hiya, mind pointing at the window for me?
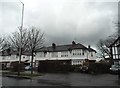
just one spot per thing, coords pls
(54, 54)
(41, 54)
(118, 49)
(116, 62)
(83, 53)
(64, 54)
(45, 53)
(91, 54)
(16, 56)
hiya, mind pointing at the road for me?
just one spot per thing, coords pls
(71, 79)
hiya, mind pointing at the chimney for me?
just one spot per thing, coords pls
(89, 46)
(53, 46)
(73, 42)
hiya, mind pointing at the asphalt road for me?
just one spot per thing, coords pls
(71, 79)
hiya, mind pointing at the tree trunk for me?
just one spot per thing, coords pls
(32, 62)
(19, 63)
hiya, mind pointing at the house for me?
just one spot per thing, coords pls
(9, 56)
(115, 52)
(73, 53)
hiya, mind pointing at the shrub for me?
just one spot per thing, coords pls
(14, 66)
(75, 68)
(54, 66)
(99, 68)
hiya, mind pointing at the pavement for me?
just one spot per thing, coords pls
(6, 74)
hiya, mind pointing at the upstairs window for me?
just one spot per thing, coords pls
(83, 53)
(41, 54)
(64, 54)
(76, 52)
(91, 54)
(54, 54)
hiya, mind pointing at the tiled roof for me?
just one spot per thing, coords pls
(90, 49)
(65, 48)
(54, 48)
(13, 52)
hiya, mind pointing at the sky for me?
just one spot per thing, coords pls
(62, 21)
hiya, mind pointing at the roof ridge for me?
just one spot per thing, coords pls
(67, 45)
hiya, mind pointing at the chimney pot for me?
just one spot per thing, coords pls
(89, 46)
(73, 42)
(54, 46)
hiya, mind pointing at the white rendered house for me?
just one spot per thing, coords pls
(77, 53)
(8, 57)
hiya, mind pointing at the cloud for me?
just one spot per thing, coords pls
(10, 16)
(63, 20)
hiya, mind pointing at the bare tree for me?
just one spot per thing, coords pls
(16, 39)
(103, 48)
(19, 41)
(103, 45)
(117, 25)
(1, 43)
(36, 40)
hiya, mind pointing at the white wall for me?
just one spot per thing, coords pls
(91, 55)
(15, 58)
(115, 51)
(76, 53)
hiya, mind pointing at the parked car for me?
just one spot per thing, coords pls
(28, 67)
(115, 68)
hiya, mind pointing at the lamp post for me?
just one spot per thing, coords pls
(20, 29)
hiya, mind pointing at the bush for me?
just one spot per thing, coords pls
(14, 66)
(54, 66)
(99, 68)
(75, 68)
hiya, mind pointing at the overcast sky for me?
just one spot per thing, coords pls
(62, 21)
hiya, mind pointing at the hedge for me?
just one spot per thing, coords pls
(14, 66)
(99, 67)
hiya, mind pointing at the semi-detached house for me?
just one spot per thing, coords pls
(76, 53)
(72, 54)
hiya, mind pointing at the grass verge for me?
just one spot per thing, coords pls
(21, 73)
